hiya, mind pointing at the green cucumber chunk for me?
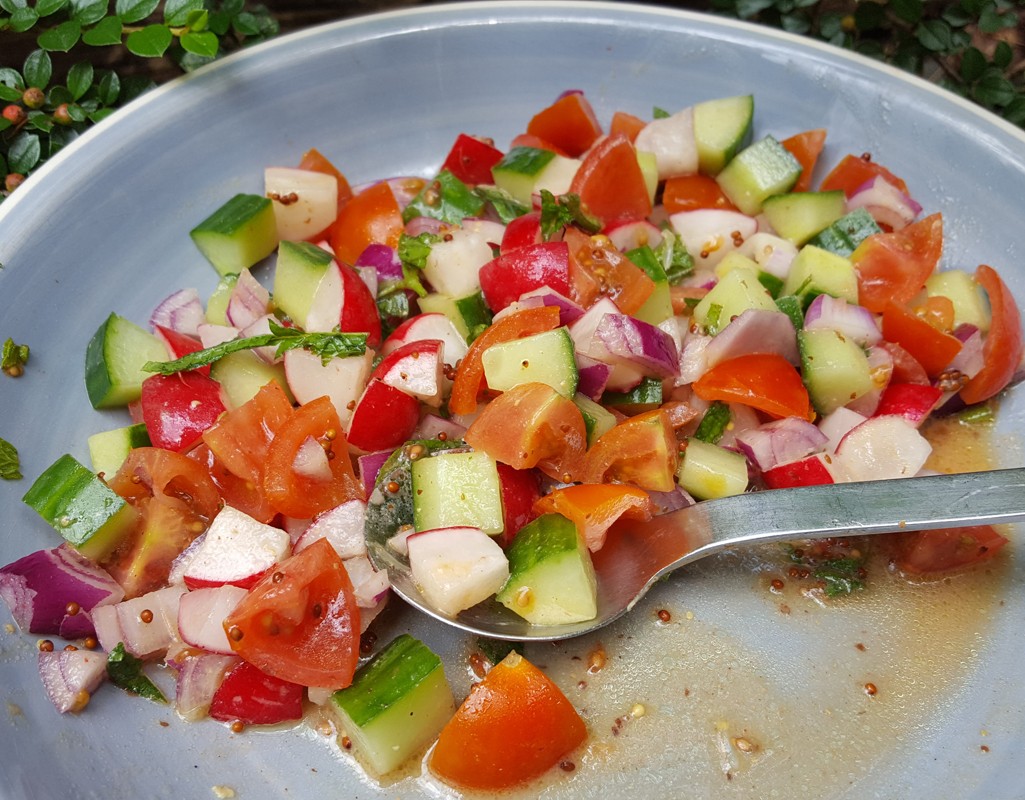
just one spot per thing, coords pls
(547, 357)
(598, 420)
(798, 216)
(90, 516)
(844, 235)
(470, 314)
(758, 172)
(301, 266)
(217, 305)
(834, 368)
(114, 359)
(815, 271)
(397, 704)
(243, 374)
(970, 306)
(239, 234)
(109, 449)
(645, 396)
(551, 577)
(714, 423)
(457, 489)
(721, 128)
(708, 471)
(736, 292)
(524, 171)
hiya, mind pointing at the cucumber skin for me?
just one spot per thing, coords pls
(80, 507)
(108, 449)
(104, 385)
(844, 235)
(246, 225)
(835, 369)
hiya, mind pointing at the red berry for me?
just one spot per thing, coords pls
(33, 97)
(13, 181)
(14, 114)
(61, 115)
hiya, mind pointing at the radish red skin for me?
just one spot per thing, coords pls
(253, 697)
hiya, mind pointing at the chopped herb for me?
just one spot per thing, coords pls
(446, 198)
(14, 358)
(413, 250)
(566, 209)
(713, 425)
(393, 308)
(325, 345)
(10, 465)
(494, 650)
(712, 318)
(841, 576)
(981, 414)
(659, 113)
(125, 671)
(675, 259)
(505, 205)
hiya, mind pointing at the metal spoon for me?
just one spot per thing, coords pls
(636, 554)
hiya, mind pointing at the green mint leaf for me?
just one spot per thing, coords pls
(200, 44)
(841, 576)
(176, 12)
(62, 38)
(13, 357)
(10, 466)
(558, 212)
(125, 672)
(325, 345)
(445, 198)
(505, 205)
(413, 250)
(981, 414)
(24, 153)
(672, 254)
(80, 79)
(712, 318)
(38, 69)
(659, 113)
(151, 42)
(135, 10)
(106, 32)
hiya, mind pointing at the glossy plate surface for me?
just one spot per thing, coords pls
(105, 227)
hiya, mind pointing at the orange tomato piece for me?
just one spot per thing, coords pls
(597, 267)
(641, 451)
(594, 507)
(693, 192)
(241, 437)
(932, 348)
(295, 493)
(470, 376)
(313, 160)
(764, 381)
(1002, 349)
(300, 623)
(945, 549)
(372, 216)
(610, 182)
(854, 171)
(627, 125)
(532, 425)
(569, 123)
(806, 148)
(532, 140)
(894, 266)
(514, 726)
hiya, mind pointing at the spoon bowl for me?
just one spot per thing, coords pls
(637, 554)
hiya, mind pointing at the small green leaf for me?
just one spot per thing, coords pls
(797, 22)
(994, 90)
(62, 38)
(907, 10)
(108, 88)
(45, 8)
(10, 95)
(10, 6)
(973, 63)
(176, 12)
(10, 465)
(100, 114)
(24, 153)
(23, 19)
(659, 113)
(748, 8)
(12, 78)
(956, 17)
(201, 44)
(1014, 112)
(151, 42)
(135, 10)
(233, 7)
(88, 12)
(934, 35)
(992, 21)
(39, 121)
(58, 95)
(125, 671)
(80, 79)
(13, 357)
(219, 23)
(76, 112)
(106, 32)
(198, 20)
(1002, 55)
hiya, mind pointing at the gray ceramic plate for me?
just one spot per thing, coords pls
(105, 227)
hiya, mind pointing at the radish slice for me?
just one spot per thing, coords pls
(198, 679)
(672, 141)
(342, 526)
(201, 614)
(71, 676)
(456, 568)
(305, 202)
(311, 461)
(369, 585)
(709, 233)
(237, 549)
(341, 379)
(147, 625)
(211, 335)
(880, 448)
(628, 236)
(773, 254)
(838, 424)
(182, 312)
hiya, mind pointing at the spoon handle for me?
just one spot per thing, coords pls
(887, 506)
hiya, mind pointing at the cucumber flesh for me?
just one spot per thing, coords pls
(239, 234)
(457, 489)
(300, 269)
(114, 359)
(835, 369)
(82, 508)
(722, 127)
(397, 704)
(708, 471)
(736, 292)
(844, 235)
(469, 314)
(109, 449)
(546, 357)
(757, 172)
(970, 307)
(800, 215)
(551, 577)
(525, 171)
(816, 271)
(217, 305)
(597, 419)
(243, 374)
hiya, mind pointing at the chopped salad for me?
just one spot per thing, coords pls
(479, 374)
